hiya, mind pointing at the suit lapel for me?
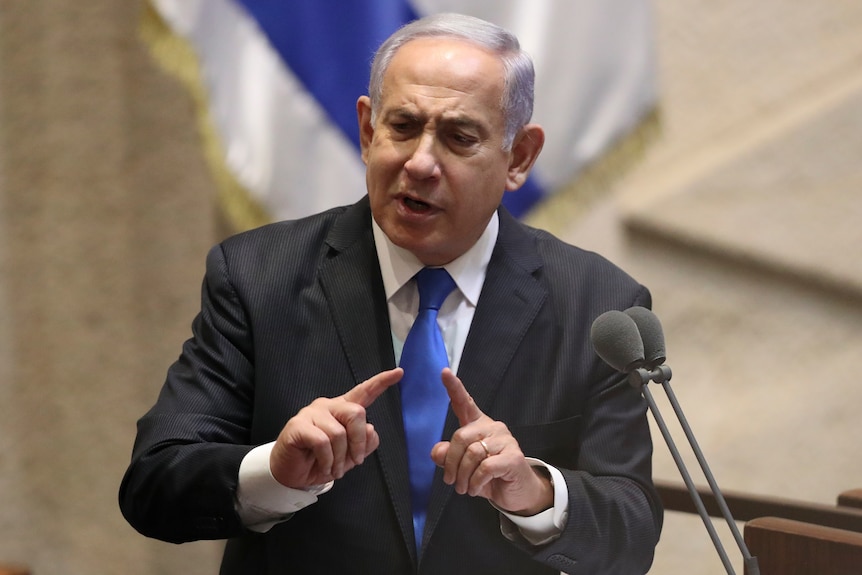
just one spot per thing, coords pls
(358, 305)
(510, 300)
(361, 318)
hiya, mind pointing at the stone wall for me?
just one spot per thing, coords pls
(105, 218)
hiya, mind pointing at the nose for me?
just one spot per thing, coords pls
(423, 162)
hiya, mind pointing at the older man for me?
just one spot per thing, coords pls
(285, 425)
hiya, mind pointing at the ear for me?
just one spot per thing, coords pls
(525, 149)
(366, 129)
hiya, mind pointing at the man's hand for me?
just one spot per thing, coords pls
(330, 436)
(484, 459)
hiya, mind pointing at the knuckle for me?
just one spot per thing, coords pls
(499, 428)
(319, 403)
(357, 412)
(318, 442)
(337, 433)
(460, 436)
(476, 450)
(350, 412)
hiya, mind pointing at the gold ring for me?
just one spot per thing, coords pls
(485, 447)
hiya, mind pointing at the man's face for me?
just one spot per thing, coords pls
(436, 168)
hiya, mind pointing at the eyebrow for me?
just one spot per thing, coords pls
(453, 121)
(403, 113)
(463, 122)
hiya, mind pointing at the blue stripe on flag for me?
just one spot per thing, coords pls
(521, 201)
(329, 44)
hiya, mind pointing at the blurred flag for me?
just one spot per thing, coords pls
(276, 83)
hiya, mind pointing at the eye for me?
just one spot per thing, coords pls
(462, 140)
(402, 128)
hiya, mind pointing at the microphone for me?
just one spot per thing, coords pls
(645, 363)
(651, 334)
(617, 340)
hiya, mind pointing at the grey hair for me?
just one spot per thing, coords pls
(517, 99)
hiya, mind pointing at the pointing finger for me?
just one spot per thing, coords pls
(463, 406)
(369, 390)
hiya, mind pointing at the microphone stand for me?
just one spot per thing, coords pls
(662, 374)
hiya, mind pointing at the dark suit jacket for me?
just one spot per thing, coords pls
(296, 310)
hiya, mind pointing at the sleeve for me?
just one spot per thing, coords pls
(614, 515)
(182, 479)
(543, 527)
(261, 501)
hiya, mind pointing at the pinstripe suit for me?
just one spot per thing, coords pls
(296, 310)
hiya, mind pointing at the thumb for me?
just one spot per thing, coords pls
(438, 453)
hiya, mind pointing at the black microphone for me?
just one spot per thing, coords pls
(651, 334)
(644, 362)
(617, 340)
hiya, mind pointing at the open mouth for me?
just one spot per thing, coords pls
(416, 205)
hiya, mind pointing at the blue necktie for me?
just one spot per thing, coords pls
(424, 400)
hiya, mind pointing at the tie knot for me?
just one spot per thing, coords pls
(434, 285)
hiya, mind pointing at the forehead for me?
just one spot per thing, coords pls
(445, 68)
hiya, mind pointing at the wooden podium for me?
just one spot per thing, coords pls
(788, 537)
(787, 547)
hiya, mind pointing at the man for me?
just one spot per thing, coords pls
(286, 427)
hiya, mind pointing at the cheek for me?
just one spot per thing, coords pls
(480, 187)
(376, 167)
(384, 160)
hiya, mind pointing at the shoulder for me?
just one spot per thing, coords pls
(305, 238)
(288, 250)
(283, 235)
(571, 272)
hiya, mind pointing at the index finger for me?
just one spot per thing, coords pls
(366, 392)
(463, 406)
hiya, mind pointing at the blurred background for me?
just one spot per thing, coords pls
(740, 213)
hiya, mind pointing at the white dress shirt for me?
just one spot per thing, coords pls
(262, 502)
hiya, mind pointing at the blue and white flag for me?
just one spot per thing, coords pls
(281, 78)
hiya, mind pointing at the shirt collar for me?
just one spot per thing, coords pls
(398, 266)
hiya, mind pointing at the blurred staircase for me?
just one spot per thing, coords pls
(791, 207)
(747, 228)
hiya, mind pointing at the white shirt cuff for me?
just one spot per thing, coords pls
(261, 501)
(547, 525)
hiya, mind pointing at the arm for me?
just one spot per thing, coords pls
(613, 517)
(615, 514)
(181, 482)
(594, 431)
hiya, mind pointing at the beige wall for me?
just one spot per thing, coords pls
(106, 217)
(106, 213)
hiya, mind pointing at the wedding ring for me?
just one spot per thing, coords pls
(485, 447)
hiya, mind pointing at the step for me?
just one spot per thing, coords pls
(792, 206)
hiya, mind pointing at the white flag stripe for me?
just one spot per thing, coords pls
(280, 145)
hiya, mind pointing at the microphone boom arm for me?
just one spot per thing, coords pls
(686, 477)
(640, 378)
